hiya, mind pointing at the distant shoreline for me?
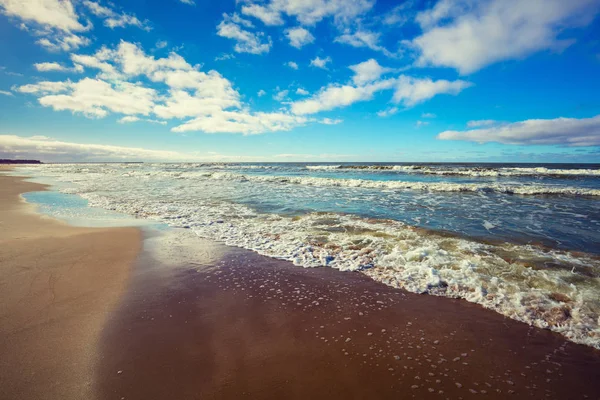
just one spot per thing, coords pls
(7, 161)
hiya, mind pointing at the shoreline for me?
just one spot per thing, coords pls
(224, 322)
(58, 284)
(252, 327)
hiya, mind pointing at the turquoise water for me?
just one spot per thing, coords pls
(76, 210)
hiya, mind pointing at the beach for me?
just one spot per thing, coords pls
(85, 314)
(58, 284)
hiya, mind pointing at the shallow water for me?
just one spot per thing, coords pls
(520, 239)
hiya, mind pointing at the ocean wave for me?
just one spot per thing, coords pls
(525, 189)
(465, 171)
(544, 288)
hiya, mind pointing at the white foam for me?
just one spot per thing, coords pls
(521, 189)
(467, 171)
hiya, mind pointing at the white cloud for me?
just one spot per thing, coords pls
(469, 35)
(188, 2)
(428, 115)
(292, 65)
(329, 121)
(299, 37)
(161, 44)
(58, 14)
(302, 92)
(407, 90)
(132, 118)
(268, 16)
(387, 112)
(113, 19)
(320, 62)
(261, 93)
(205, 101)
(63, 42)
(5, 93)
(368, 71)
(411, 91)
(307, 12)
(281, 95)
(335, 96)
(481, 123)
(246, 41)
(363, 38)
(421, 123)
(243, 122)
(47, 149)
(45, 87)
(398, 16)
(55, 22)
(95, 98)
(53, 66)
(560, 131)
(224, 57)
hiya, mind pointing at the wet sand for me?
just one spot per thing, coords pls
(57, 286)
(251, 327)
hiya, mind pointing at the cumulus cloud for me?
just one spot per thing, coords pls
(261, 93)
(53, 66)
(246, 41)
(388, 112)
(399, 15)
(58, 26)
(411, 91)
(329, 121)
(243, 122)
(95, 98)
(408, 91)
(363, 38)
(205, 100)
(302, 92)
(292, 65)
(268, 15)
(63, 42)
(131, 118)
(468, 35)
(560, 131)
(319, 62)
(114, 19)
(6, 93)
(51, 14)
(299, 37)
(368, 71)
(335, 96)
(307, 12)
(47, 149)
(281, 95)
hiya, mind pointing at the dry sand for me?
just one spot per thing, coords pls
(57, 285)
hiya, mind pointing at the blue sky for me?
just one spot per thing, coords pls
(300, 80)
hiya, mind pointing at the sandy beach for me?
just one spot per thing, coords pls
(58, 284)
(85, 315)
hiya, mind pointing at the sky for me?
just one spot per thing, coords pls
(300, 80)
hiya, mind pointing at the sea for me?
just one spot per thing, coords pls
(520, 239)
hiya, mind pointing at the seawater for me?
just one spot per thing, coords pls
(523, 240)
